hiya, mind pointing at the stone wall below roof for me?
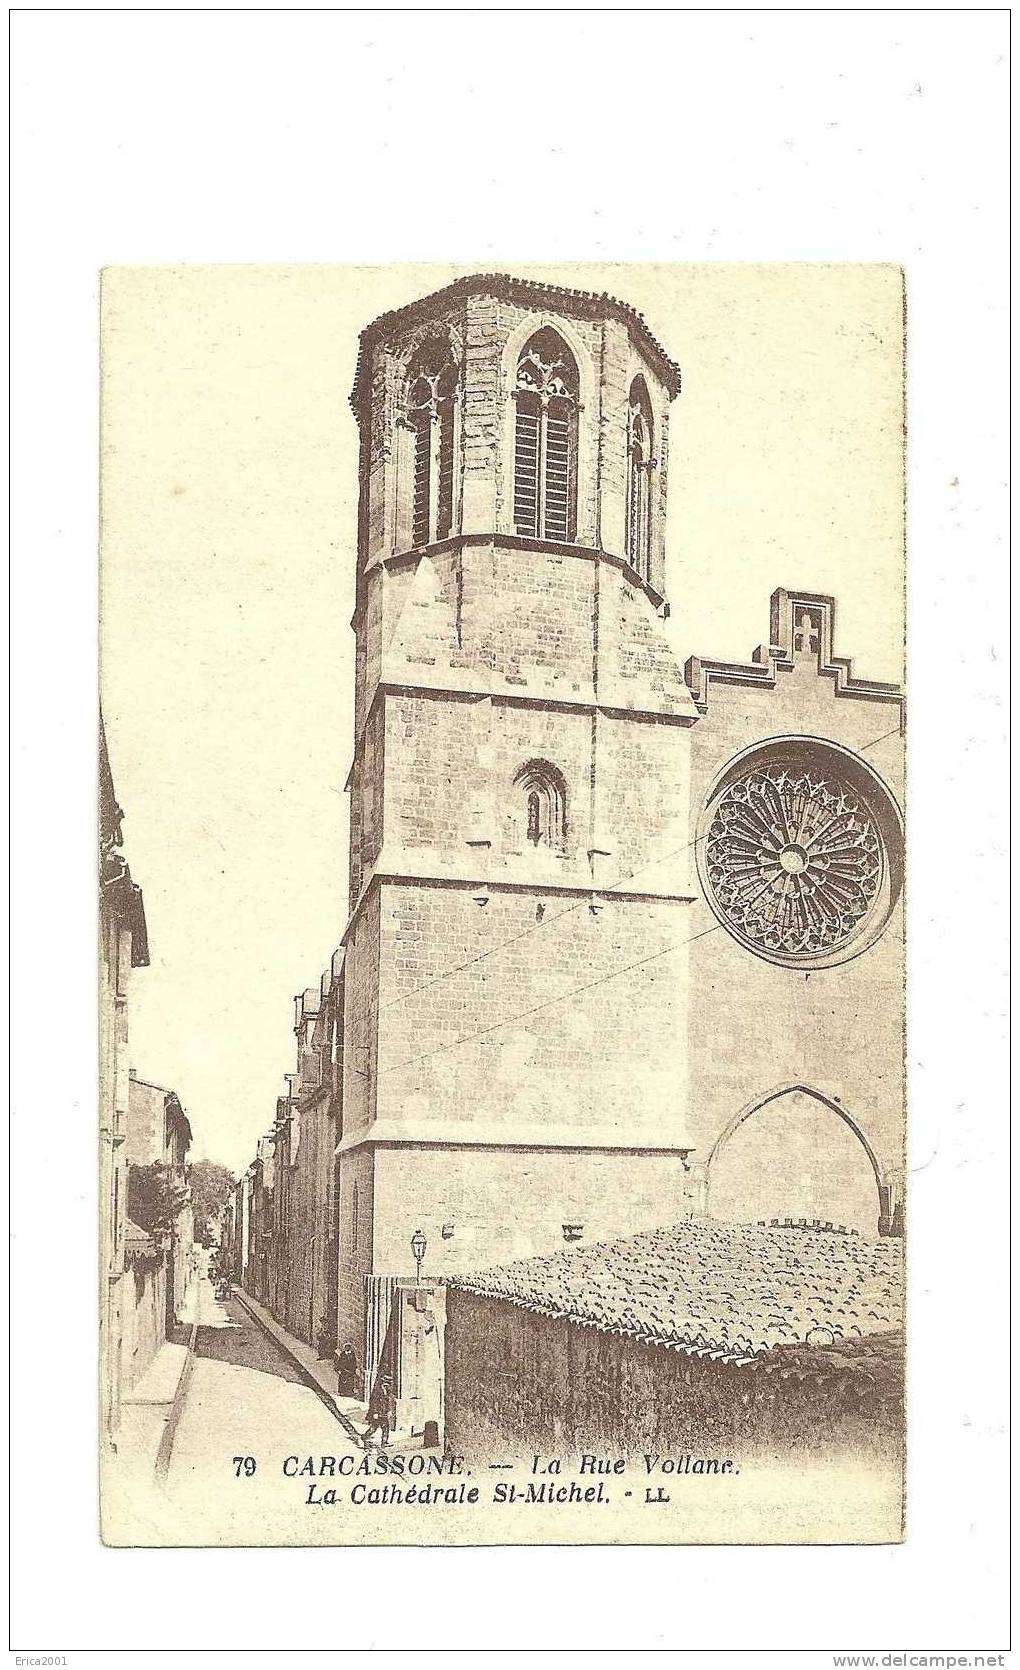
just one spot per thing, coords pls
(519, 1382)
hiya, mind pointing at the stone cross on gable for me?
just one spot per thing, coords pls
(805, 636)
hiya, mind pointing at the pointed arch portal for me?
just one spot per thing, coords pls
(795, 1152)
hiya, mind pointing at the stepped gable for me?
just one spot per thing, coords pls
(801, 623)
(736, 1291)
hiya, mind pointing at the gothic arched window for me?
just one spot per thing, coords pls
(544, 796)
(431, 402)
(545, 438)
(639, 478)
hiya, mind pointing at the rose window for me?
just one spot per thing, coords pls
(795, 860)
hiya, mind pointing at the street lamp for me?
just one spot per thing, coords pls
(418, 1245)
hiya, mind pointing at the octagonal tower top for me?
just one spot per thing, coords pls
(505, 406)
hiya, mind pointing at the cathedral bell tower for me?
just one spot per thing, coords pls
(520, 868)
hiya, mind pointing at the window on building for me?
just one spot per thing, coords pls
(534, 816)
(431, 413)
(545, 439)
(639, 478)
(544, 795)
(354, 1228)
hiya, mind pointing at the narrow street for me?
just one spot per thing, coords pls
(245, 1399)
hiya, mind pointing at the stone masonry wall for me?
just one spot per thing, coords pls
(308, 1221)
(560, 1041)
(756, 1026)
(518, 1382)
(355, 1246)
(483, 1206)
(361, 1005)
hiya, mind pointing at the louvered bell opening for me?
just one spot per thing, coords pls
(422, 462)
(645, 530)
(558, 484)
(638, 518)
(444, 506)
(635, 517)
(526, 472)
(644, 525)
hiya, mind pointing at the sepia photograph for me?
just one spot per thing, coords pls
(509, 1114)
(537, 1172)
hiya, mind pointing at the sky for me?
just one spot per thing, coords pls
(228, 516)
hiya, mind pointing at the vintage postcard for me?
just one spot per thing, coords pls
(501, 857)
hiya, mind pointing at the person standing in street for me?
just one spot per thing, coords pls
(380, 1410)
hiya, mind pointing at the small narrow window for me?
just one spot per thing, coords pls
(544, 796)
(639, 479)
(545, 439)
(431, 407)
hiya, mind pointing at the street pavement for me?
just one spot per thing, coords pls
(245, 1399)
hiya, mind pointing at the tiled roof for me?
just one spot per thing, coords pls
(586, 302)
(738, 1291)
